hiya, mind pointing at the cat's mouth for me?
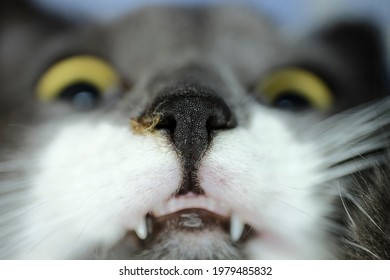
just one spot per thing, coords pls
(193, 214)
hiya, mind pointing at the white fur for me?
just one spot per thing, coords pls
(270, 178)
(95, 180)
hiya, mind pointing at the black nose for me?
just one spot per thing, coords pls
(192, 115)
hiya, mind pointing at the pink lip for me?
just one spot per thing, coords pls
(190, 201)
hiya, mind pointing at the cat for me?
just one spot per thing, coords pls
(191, 133)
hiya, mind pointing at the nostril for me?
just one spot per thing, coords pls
(168, 123)
(218, 122)
(214, 123)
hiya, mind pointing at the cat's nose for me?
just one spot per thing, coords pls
(192, 116)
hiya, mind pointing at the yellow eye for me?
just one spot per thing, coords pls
(296, 88)
(82, 79)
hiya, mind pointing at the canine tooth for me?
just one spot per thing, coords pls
(236, 227)
(141, 230)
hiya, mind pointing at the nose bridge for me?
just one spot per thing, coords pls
(191, 114)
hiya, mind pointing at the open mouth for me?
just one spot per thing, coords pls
(193, 214)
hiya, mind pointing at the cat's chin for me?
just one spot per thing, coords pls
(191, 234)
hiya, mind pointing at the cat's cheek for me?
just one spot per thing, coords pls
(265, 188)
(94, 182)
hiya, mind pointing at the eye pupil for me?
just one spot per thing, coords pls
(82, 96)
(293, 101)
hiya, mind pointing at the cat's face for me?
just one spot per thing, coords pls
(188, 148)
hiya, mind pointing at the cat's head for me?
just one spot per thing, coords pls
(183, 133)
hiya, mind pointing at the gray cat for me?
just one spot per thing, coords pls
(191, 133)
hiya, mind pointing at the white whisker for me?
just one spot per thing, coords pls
(360, 208)
(351, 167)
(345, 207)
(362, 248)
(77, 238)
(351, 152)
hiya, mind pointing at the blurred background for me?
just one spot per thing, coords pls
(295, 17)
(294, 14)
